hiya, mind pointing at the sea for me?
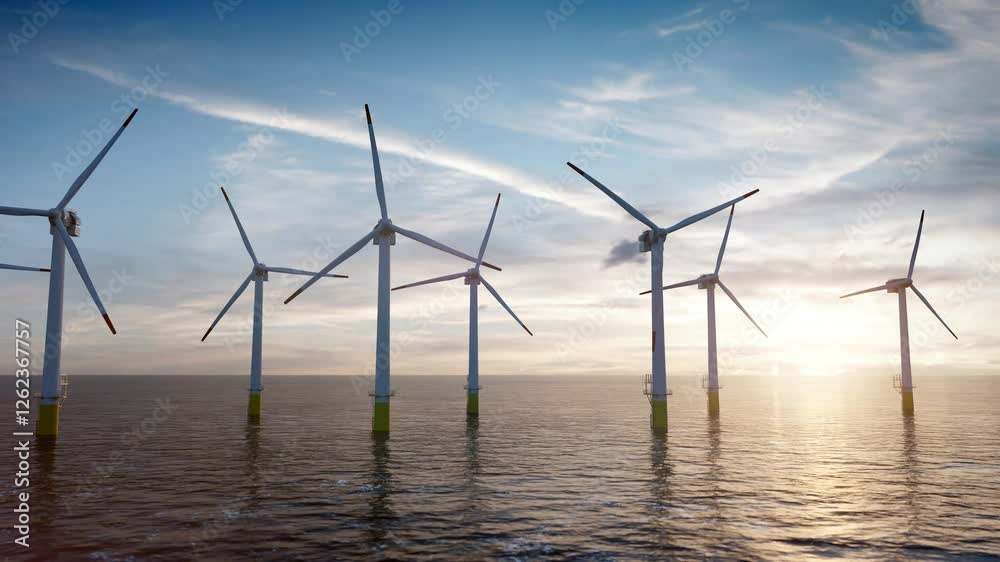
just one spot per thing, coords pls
(554, 468)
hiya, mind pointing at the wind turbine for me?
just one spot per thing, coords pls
(258, 274)
(473, 279)
(383, 236)
(652, 241)
(899, 287)
(708, 282)
(64, 225)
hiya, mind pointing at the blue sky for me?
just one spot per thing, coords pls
(850, 118)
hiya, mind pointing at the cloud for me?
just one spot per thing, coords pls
(347, 132)
(679, 28)
(626, 251)
(635, 87)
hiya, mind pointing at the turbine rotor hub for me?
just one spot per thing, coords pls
(69, 219)
(894, 285)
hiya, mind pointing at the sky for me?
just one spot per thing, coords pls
(850, 117)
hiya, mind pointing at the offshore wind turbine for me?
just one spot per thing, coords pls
(473, 278)
(383, 236)
(652, 241)
(899, 287)
(258, 274)
(707, 282)
(64, 225)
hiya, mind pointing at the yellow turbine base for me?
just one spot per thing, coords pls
(253, 405)
(658, 418)
(713, 402)
(48, 419)
(908, 403)
(380, 417)
(472, 404)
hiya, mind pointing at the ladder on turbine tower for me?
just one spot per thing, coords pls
(63, 389)
(647, 387)
(704, 383)
(897, 383)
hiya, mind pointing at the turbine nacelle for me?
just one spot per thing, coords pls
(895, 285)
(382, 229)
(260, 271)
(472, 276)
(649, 238)
(707, 280)
(70, 220)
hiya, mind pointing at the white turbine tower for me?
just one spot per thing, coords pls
(473, 278)
(708, 283)
(64, 225)
(383, 236)
(652, 241)
(258, 274)
(899, 286)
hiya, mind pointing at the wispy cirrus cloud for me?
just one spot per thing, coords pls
(343, 131)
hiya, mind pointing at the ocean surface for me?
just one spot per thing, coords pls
(812, 468)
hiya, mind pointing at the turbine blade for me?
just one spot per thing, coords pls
(872, 290)
(291, 271)
(913, 258)
(229, 304)
(704, 215)
(73, 189)
(74, 254)
(239, 225)
(921, 295)
(434, 280)
(439, 246)
(379, 187)
(675, 285)
(337, 261)
(22, 212)
(486, 237)
(496, 295)
(22, 268)
(614, 196)
(725, 238)
(733, 297)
